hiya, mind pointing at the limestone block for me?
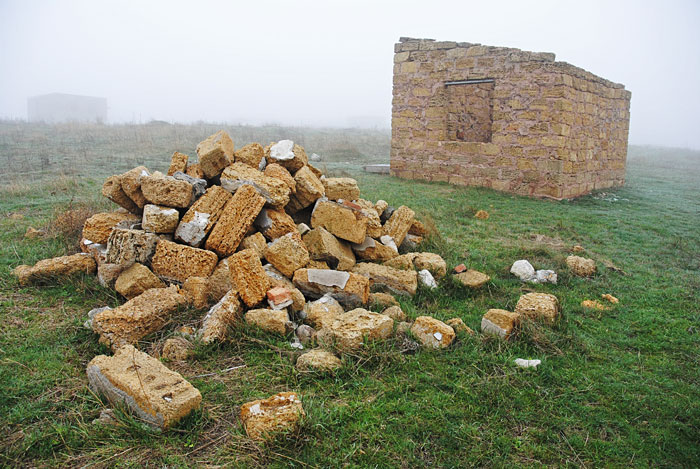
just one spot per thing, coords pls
(199, 185)
(287, 253)
(223, 314)
(107, 274)
(274, 190)
(380, 206)
(154, 393)
(159, 219)
(264, 417)
(318, 360)
(459, 327)
(309, 189)
(112, 189)
(219, 281)
(402, 262)
(178, 162)
(250, 154)
(346, 287)
(399, 223)
(135, 280)
(128, 246)
(395, 313)
(372, 250)
(318, 265)
(201, 217)
(350, 329)
(98, 227)
(274, 223)
(341, 188)
(55, 268)
(322, 312)
(418, 229)
(178, 262)
(177, 349)
(500, 322)
(215, 153)
(538, 306)
(432, 333)
(256, 242)
(382, 300)
(237, 216)
(287, 154)
(166, 190)
(131, 185)
(270, 320)
(342, 222)
(194, 170)
(138, 317)
(580, 266)
(279, 172)
(395, 280)
(374, 222)
(411, 242)
(432, 262)
(249, 276)
(323, 246)
(196, 289)
(278, 280)
(473, 278)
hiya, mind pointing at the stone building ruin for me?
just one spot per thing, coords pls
(507, 119)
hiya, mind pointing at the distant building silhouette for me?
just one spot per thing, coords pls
(60, 107)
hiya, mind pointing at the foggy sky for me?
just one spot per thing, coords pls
(327, 63)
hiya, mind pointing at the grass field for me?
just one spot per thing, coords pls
(615, 388)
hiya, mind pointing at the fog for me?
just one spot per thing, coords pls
(324, 63)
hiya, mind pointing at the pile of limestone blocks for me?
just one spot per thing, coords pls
(257, 236)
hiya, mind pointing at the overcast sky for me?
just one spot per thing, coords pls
(330, 63)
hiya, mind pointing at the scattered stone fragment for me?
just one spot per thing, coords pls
(250, 154)
(215, 153)
(279, 298)
(135, 280)
(473, 278)
(270, 320)
(177, 349)
(432, 333)
(196, 289)
(262, 418)
(350, 329)
(426, 278)
(402, 262)
(194, 170)
(201, 217)
(371, 250)
(459, 269)
(98, 227)
(382, 276)
(274, 191)
(112, 189)
(131, 185)
(237, 216)
(342, 222)
(318, 360)
(33, 233)
(399, 223)
(128, 246)
(287, 154)
(322, 312)
(610, 298)
(522, 363)
(481, 215)
(374, 223)
(380, 206)
(418, 229)
(159, 219)
(432, 262)
(249, 276)
(91, 314)
(348, 288)
(538, 306)
(459, 327)
(499, 322)
(154, 393)
(107, 418)
(382, 300)
(305, 333)
(523, 270)
(138, 317)
(278, 280)
(287, 253)
(166, 190)
(341, 189)
(107, 274)
(222, 315)
(178, 262)
(199, 185)
(581, 266)
(395, 313)
(178, 162)
(55, 268)
(403, 327)
(411, 242)
(255, 242)
(323, 246)
(308, 189)
(577, 248)
(274, 223)
(594, 304)
(545, 276)
(219, 281)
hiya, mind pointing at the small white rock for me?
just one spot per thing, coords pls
(527, 363)
(427, 278)
(523, 270)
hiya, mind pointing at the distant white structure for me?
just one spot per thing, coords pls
(60, 107)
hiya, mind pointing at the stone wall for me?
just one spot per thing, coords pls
(507, 119)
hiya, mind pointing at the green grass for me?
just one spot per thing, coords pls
(616, 388)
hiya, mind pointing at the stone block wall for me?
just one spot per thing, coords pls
(507, 119)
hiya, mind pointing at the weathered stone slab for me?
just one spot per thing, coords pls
(219, 281)
(287, 253)
(236, 218)
(309, 189)
(323, 246)
(341, 188)
(350, 329)
(178, 262)
(318, 360)
(473, 278)
(166, 190)
(249, 277)
(341, 221)
(196, 289)
(580, 266)
(270, 320)
(135, 280)
(538, 306)
(432, 333)
(201, 217)
(274, 223)
(112, 189)
(348, 288)
(223, 314)
(154, 393)
(128, 246)
(382, 276)
(287, 154)
(98, 227)
(265, 417)
(159, 219)
(55, 268)
(256, 242)
(178, 162)
(500, 322)
(131, 185)
(215, 153)
(322, 312)
(250, 154)
(275, 191)
(399, 223)
(279, 172)
(373, 250)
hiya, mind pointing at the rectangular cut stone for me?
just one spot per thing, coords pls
(248, 275)
(499, 322)
(287, 253)
(201, 217)
(178, 162)
(256, 242)
(237, 216)
(131, 184)
(399, 223)
(166, 190)
(215, 153)
(323, 246)
(340, 221)
(128, 246)
(275, 191)
(154, 393)
(274, 223)
(112, 189)
(309, 188)
(341, 188)
(178, 262)
(98, 227)
(138, 317)
(135, 280)
(354, 292)
(159, 219)
(382, 276)
(250, 154)
(373, 250)
(55, 268)
(219, 281)
(222, 315)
